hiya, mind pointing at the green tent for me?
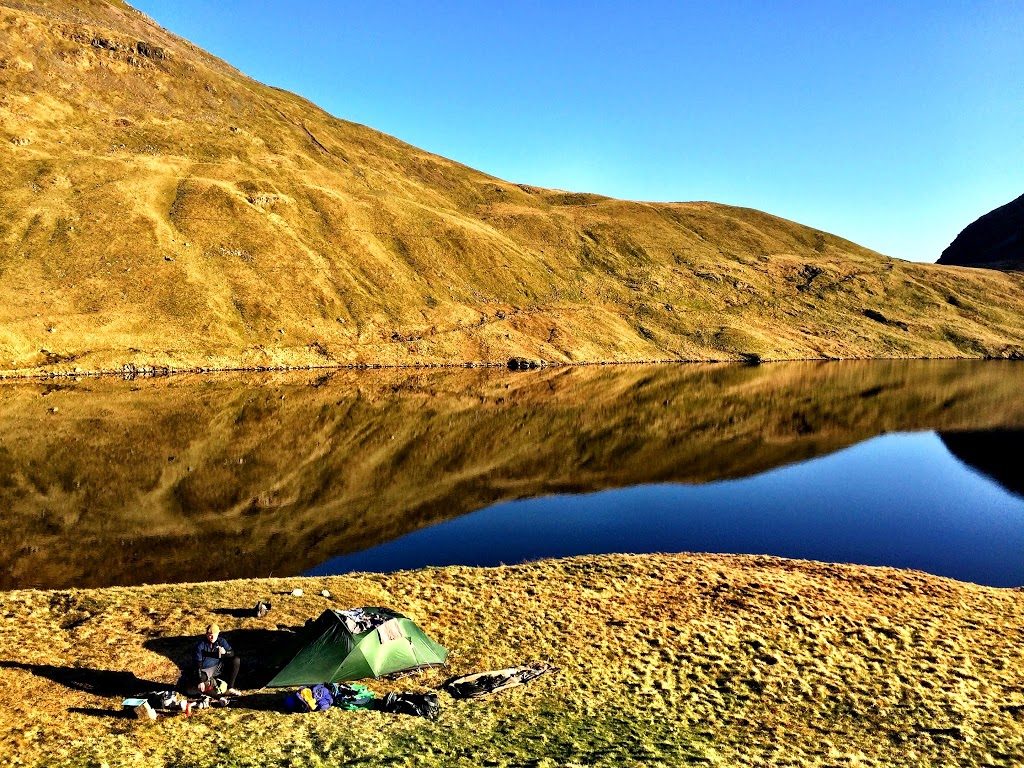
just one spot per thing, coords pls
(358, 643)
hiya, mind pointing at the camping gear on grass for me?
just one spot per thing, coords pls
(322, 697)
(418, 704)
(306, 699)
(350, 697)
(213, 687)
(483, 683)
(359, 643)
(261, 609)
(171, 700)
(138, 708)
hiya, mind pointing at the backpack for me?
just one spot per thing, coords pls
(292, 703)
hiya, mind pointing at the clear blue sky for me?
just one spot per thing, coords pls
(892, 124)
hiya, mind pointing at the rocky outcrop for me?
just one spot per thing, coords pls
(994, 240)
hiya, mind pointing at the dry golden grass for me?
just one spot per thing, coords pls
(158, 208)
(664, 660)
(101, 479)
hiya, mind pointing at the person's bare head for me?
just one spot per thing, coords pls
(212, 633)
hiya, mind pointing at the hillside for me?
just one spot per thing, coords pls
(114, 482)
(995, 239)
(158, 208)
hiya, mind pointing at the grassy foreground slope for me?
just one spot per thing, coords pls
(664, 660)
(158, 208)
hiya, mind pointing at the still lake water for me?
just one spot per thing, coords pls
(909, 464)
(901, 500)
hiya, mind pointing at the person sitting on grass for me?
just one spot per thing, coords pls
(213, 657)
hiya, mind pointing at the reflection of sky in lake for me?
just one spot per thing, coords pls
(901, 500)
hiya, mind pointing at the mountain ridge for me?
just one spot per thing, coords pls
(164, 211)
(995, 239)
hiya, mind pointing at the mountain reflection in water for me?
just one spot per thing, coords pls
(995, 453)
(900, 500)
(193, 478)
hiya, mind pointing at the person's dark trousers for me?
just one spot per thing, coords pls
(229, 664)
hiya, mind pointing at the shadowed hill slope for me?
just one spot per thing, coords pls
(994, 453)
(108, 482)
(158, 208)
(995, 239)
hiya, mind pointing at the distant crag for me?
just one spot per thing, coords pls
(994, 240)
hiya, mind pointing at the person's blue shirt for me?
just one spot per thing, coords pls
(206, 652)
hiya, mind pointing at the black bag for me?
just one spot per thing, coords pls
(418, 704)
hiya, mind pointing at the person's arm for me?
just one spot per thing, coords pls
(226, 646)
(200, 654)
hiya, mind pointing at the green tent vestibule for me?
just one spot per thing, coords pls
(359, 643)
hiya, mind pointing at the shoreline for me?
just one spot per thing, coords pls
(131, 372)
(283, 584)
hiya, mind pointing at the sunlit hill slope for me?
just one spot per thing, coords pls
(158, 208)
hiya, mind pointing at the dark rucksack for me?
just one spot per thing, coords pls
(419, 704)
